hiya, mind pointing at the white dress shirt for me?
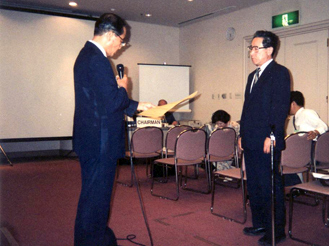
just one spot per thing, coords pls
(261, 69)
(99, 47)
(308, 120)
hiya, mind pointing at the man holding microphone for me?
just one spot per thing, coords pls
(101, 100)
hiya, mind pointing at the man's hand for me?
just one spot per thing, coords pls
(174, 123)
(122, 82)
(312, 134)
(142, 106)
(267, 145)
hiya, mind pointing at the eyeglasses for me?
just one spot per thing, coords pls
(255, 48)
(123, 43)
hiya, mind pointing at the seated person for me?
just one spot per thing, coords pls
(222, 119)
(169, 117)
(306, 120)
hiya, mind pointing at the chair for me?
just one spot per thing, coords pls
(320, 190)
(222, 145)
(239, 175)
(321, 153)
(171, 138)
(170, 143)
(296, 157)
(145, 143)
(190, 150)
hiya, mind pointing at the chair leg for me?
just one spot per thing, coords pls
(291, 206)
(147, 167)
(212, 193)
(177, 185)
(325, 211)
(199, 191)
(244, 202)
(291, 202)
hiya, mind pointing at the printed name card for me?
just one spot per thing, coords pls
(144, 121)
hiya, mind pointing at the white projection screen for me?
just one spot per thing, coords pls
(160, 81)
(37, 54)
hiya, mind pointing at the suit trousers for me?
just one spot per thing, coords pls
(91, 228)
(259, 186)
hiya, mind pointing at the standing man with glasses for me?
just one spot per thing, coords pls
(266, 106)
(101, 100)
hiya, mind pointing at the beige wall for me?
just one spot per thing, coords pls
(153, 44)
(36, 66)
(218, 64)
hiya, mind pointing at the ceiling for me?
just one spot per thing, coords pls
(164, 12)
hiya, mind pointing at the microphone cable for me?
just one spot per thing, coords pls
(130, 237)
(141, 203)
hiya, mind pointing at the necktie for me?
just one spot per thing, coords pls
(293, 122)
(256, 77)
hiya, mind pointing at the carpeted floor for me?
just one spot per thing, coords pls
(39, 199)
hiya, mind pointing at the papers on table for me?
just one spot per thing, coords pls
(320, 176)
(159, 111)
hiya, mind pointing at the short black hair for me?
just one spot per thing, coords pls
(109, 22)
(220, 115)
(269, 40)
(297, 97)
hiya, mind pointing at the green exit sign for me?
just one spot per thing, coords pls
(286, 19)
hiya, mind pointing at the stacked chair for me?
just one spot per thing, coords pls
(222, 146)
(296, 157)
(321, 153)
(145, 143)
(318, 187)
(170, 142)
(189, 150)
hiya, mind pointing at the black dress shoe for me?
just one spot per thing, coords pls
(267, 241)
(254, 231)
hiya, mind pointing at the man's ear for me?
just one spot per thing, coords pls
(270, 51)
(111, 36)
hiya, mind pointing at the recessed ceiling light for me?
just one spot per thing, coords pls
(73, 4)
(190, 0)
(148, 15)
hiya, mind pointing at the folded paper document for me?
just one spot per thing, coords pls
(159, 111)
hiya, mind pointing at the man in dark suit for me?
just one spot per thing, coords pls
(101, 100)
(266, 106)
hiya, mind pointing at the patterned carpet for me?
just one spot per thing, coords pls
(39, 199)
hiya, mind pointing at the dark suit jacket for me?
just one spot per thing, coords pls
(99, 106)
(265, 107)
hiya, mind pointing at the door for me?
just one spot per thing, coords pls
(306, 56)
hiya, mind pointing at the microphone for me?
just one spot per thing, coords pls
(120, 69)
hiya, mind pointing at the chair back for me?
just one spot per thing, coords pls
(321, 151)
(298, 151)
(172, 135)
(191, 145)
(222, 143)
(147, 140)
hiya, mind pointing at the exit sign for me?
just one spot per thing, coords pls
(286, 19)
